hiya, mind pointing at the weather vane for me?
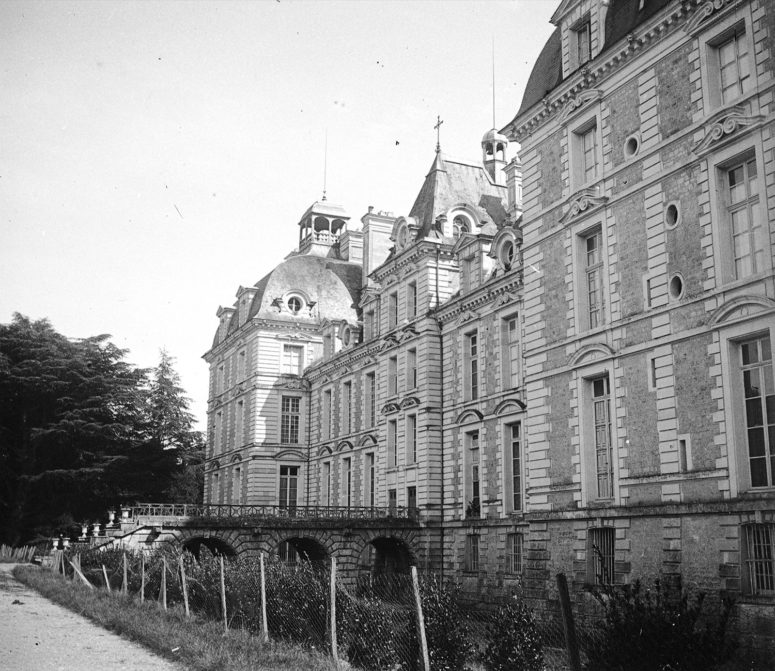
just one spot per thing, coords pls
(438, 131)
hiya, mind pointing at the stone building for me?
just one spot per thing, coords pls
(558, 363)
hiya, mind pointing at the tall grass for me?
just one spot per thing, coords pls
(197, 643)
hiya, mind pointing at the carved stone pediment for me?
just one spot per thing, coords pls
(586, 199)
(410, 402)
(390, 340)
(703, 12)
(505, 298)
(725, 123)
(390, 408)
(577, 102)
(467, 316)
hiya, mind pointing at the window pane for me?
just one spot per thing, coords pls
(753, 412)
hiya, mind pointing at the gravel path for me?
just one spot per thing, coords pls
(38, 635)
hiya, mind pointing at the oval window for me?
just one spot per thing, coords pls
(295, 305)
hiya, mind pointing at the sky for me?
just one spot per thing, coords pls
(154, 156)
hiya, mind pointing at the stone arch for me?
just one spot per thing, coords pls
(591, 352)
(742, 306)
(469, 416)
(386, 555)
(295, 548)
(194, 543)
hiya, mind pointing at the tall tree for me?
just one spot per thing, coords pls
(69, 411)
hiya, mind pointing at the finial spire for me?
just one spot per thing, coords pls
(325, 165)
(438, 128)
(493, 80)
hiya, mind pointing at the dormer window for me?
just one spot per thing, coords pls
(460, 225)
(295, 304)
(507, 254)
(581, 42)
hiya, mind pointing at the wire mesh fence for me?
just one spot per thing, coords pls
(372, 623)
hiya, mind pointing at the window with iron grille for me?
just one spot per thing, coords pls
(289, 419)
(759, 559)
(471, 562)
(514, 547)
(600, 556)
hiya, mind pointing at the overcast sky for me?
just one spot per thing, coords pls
(154, 156)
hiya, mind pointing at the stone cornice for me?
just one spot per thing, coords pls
(503, 290)
(414, 256)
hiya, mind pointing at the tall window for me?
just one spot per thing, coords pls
(239, 424)
(734, 67)
(514, 552)
(392, 376)
(411, 439)
(293, 358)
(325, 415)
(600, 556)
(392, 501)
(370, 479)
(411, 497)
(471, 562)
(289, 480)
(411, 300)
(241, 365)
(392, 310)
(220, 380)
(510, 352)
(593, 278)
(347, 481)
(743, 212)
(473, 507)
(371, 399)
(759, 392)
(514, 456)
(584, 145)
(218, 432)
(215, 488)
(582, 42)
(471, 365)
(466, 271)
(392, 456)
(601, 416)
(369, 322)
(289, 419)
(347, 399)
(759, 559)
(325, 484)
(236, 486)
(411, 368)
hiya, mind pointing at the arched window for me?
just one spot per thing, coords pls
(507, 254)
(460, 226)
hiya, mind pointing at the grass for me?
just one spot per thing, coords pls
(197, 644)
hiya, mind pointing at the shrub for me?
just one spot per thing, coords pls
(446, 629)
(513, 641)
(656, 630)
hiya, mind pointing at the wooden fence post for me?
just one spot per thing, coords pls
(125, 583)
(264, 623)
(332, 610)
(77, 571)
(223, 598)
(184, 585)
(420, 621)
(163, 588)
(142, 577)
(105, 575)
(568, 624)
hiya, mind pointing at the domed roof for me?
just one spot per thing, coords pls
(494, 135)
(306, 289)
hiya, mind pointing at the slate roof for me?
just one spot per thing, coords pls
(451, 182)
(622, 18)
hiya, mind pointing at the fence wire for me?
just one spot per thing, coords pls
(376, 623)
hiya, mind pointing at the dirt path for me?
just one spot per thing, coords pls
(38, 635)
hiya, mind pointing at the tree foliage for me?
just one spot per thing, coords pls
(77, 430)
